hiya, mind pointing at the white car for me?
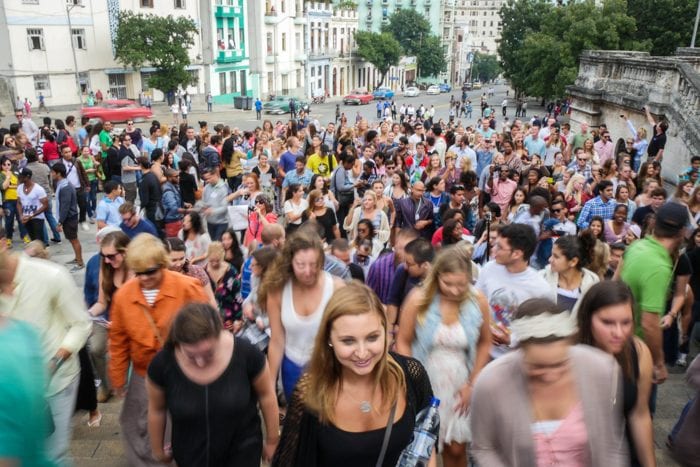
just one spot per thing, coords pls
(411, 91)
(434, 89)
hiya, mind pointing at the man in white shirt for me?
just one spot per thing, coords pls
(44, 295)
(28, 127)
(508, 280)
(560, 212)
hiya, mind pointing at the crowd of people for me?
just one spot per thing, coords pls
(334, 277)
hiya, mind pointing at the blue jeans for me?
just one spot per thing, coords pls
(91, 198)
(10, 215)
(51, 220)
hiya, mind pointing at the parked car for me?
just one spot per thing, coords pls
(357, 97)
(117, 110)
(434, 89)
(476, 85)
(411, 91)
(444, 87)
(280, 104)
(467, 87)
(383, 92)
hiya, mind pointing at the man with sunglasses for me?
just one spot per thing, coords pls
(604, 147)
(135, 134)
(28, 127)
(141, 312)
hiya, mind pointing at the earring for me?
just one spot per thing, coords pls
(330, 345)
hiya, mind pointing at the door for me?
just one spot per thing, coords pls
(117, 86)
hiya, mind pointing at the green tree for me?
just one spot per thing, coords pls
(159, 41)
(547, 53)
(431, 57)
(666, 24)
(380, 49)
(485, 67)
(410, 28)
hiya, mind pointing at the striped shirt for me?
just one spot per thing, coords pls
(150, 295)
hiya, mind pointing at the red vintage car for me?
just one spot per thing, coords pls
(118, 110)
(358, 96)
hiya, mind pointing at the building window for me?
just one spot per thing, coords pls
(222, 83)
(84, 80)
(78, 36)
(298, 78)
(68, 2)
(269, 42)
(283, 6)
(284, 42)
(180, 4)
(41, 84)
(297, 41)
(145, 76)
(194, 77)
(35, 38)
(146, 3)
(270, 82)
(234, 84)
(313, 71)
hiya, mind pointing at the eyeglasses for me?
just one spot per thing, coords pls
(110, 257)
(259, 201)
(148, 272)
(582, 159)
(19, 115)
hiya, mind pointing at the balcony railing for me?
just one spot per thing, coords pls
(322, 53)
(230, 56)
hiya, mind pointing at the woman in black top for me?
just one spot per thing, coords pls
(188, 183)
(211, 383)
(323, 215)
(606, 321)
(150, 194)
(340, 408)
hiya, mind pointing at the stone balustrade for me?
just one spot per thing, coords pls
(614, 83)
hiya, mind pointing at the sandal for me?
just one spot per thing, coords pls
(95, 423)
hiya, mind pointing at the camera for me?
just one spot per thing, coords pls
(488, 216)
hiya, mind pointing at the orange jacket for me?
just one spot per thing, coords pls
(131, 336)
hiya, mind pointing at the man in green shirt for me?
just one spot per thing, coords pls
(647, 269)
(106, 138)
(581, 137)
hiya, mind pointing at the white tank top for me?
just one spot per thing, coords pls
(300, 331)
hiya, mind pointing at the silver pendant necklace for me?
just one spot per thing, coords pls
(365, 407)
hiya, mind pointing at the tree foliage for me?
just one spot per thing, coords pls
(158, 41)
(410, 29)
(485, 67)
(666, 24)
(431, 57)
(541, 43)
(380, 49)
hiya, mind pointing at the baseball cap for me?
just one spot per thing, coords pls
(25, 172)
(672, 216)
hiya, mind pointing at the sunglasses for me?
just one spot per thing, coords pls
(556, 210)
(110, 257)
(148, 272)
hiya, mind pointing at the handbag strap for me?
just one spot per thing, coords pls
(387, 436)
(154, 328)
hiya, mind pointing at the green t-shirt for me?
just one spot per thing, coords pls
(647, 269)
(87, 165)
(106, 140)
(23, 413)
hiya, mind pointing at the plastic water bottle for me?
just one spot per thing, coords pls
(425, 433)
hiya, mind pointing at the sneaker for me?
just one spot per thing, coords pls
(92, 220)
(682, 361)
(57, 241)
(85, 226)
(26, 239)
(77, 267)
(73, 261)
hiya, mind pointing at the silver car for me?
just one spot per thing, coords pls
(411, 91)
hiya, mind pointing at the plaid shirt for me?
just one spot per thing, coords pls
(596, 207)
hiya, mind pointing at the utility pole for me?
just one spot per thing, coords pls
(695, 29)
(69, 7)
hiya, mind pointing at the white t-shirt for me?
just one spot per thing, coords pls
(295, 209)
(505, 291)
(31, 201)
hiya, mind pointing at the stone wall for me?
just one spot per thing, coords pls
(611, 83)
(7, 102)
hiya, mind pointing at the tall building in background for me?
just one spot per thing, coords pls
(40, 38)
(225, 49)
(477, 28)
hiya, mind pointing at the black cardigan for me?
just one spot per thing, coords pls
(297, 447)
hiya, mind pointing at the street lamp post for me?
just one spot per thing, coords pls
(69, 7)
(695, 29)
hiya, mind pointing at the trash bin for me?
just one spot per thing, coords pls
(238, 102)
(248, 103)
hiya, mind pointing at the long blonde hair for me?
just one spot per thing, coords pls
(451, 259)
(325, 372)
